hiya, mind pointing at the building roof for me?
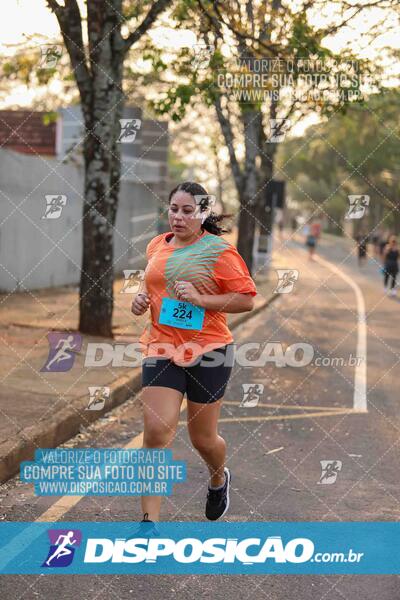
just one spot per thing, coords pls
(25, 131)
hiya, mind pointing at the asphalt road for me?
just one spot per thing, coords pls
(305, 414)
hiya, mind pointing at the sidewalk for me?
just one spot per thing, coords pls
(44, 409)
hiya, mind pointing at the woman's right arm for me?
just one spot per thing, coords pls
(141, 301)
(143, 288)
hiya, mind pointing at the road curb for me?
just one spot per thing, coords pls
(68, 421)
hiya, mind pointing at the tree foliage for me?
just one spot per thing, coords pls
(352, 153)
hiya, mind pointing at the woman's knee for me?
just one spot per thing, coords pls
(204, 442)
(157, 435)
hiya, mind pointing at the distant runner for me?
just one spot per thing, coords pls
(362, 246)
(375, 239)
(382, 245)
(313, 235)
(390, 265)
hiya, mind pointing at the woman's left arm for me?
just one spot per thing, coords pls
(233, 302)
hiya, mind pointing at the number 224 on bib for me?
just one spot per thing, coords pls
(184, 315)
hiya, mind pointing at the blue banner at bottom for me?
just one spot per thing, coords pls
(200, 548)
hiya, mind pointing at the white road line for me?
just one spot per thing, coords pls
(360, 374)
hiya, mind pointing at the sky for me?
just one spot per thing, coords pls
(19, 21)
(20, 24)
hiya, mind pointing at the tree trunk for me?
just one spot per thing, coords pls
(102, 110)
(266, 213)
(265, 176)
(102, 171)
(248, 193)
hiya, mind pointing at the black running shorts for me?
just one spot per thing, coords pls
(204, 382)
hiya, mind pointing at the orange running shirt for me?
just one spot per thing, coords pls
(315, 229)
(213, 266)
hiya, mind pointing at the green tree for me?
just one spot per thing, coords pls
(352, 153)
(241, 34)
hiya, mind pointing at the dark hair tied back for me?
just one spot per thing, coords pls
(211, 224)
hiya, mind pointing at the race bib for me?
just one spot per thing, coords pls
(184, 315)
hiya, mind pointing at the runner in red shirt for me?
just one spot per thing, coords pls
(314, 232)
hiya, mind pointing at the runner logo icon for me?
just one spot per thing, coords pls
(286, 280)
(62, 547)
(54, 206)
(133, 281)
(329, 471)
(251, 394)
(63, 347)
(129, 129)
(358, 203)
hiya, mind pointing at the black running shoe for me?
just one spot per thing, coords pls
(146, 529)
(218, 500)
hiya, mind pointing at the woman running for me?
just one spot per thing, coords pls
(390, 265)
(192, 279)
(362, 247)
(313, 234)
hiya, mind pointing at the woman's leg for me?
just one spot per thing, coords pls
(385, 278)
(161, 408)
(203, 431)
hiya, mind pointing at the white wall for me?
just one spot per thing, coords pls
(36, 252)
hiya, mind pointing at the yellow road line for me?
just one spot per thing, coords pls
(65, 503)
(286, 406)
(327, 413)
